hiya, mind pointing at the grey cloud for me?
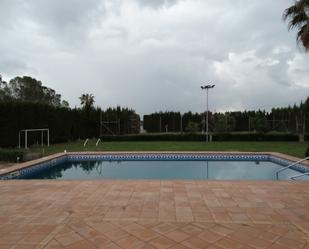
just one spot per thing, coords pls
(68, 21)
(156, 3)
(13, 67)
(128, 54)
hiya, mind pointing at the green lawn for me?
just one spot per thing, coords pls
(290, 148)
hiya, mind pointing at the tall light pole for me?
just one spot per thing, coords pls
(207, 87)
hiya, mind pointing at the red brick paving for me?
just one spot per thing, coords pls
(154, 214)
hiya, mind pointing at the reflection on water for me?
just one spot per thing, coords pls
(166, 170)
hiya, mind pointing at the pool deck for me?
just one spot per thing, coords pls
(151, 214)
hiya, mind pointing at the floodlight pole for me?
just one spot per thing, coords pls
(207, 87)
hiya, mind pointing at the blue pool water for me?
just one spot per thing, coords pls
(262, 170)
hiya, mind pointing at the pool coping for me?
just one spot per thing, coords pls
(50, 158)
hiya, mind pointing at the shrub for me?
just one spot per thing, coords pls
(10, 155)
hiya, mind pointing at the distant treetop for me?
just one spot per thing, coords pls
(28, 89)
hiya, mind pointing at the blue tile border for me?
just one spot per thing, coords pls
(36, 168)
(33, 169)
(169, 157)
(298, 167)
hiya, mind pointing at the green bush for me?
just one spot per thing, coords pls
(10, 155)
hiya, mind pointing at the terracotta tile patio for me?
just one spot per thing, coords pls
(154, 214)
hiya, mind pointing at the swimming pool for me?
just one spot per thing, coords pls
(199, 166)
(201, 170)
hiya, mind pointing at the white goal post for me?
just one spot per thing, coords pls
(33, 130)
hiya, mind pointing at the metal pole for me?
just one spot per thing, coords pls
(25, 139)
(207, 115)
(42, 136)
(207, 87)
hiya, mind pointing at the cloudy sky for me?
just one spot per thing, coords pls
(154, 55)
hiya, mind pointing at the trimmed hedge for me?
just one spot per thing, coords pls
(10, 155)
(200, 137)
(256, 137)
(64, 124)
(159, 137)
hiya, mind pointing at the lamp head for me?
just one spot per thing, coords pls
(207, 87)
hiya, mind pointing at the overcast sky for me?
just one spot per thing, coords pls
(154, 55)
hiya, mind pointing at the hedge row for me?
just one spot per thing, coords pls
(200, 137)
(10, 155)
(256, 137)
(64, 124)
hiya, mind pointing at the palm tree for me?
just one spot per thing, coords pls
(298, 15)
(87, 101)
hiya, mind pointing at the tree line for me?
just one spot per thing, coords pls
(25, 103)
(286, 119)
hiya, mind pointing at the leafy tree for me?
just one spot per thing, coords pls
(298, 16)
(27, 89)
(65, 104)
(87, 101)
(306, 106)
(4, 90)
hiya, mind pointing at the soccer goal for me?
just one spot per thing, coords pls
(42, 131)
